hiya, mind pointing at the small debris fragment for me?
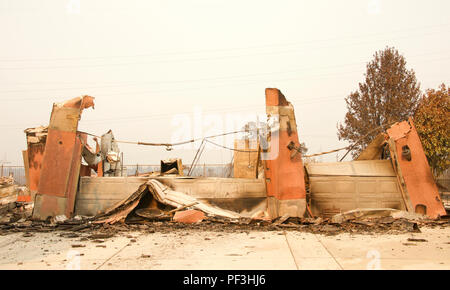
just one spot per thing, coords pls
(416, 240)
(189, 216)
(69, 235)
(78, 246)
(281, 220)
(100, 236)
(59, 219)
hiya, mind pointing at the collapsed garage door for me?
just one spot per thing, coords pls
(342, 186)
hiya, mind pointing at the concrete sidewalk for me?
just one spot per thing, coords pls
(189, 250)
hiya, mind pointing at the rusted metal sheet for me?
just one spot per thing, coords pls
(25, 195)
(100, 164)
(26, 167)
(36, 140)
(62, 160)
(414, 170)
(343, 186)
(283, 169)
(374, 150)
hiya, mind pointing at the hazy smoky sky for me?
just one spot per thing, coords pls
(165, 70)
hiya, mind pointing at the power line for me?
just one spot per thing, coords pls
(169, 145)
(232, 49)
(221, 109)
(206, 79)
(259, 81)
(192, 80)
(196, 59)
(231, 149)
(242, 82)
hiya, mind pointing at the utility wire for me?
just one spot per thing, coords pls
(350, 147)
(327, 40)
(244, 83)
(231, 149)
(298, 69)
(127, 84)
(193, 59)
(168, 145)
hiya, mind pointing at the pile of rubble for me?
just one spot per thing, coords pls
(8, 192)
(155, 207)
(19, 220)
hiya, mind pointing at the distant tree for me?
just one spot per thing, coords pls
(388, 94)
(432, 120)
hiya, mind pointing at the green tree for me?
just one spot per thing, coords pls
(389, 94)
(432, 121)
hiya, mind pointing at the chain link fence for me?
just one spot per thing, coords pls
(18, 172)
(207, 170)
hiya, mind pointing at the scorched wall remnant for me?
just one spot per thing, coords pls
(414, 170)
(283, 169)
(61, 161)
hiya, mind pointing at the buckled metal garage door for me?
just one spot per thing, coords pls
(342, 186)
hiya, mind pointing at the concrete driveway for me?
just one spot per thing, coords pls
(205, 250)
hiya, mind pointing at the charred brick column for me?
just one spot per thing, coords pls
(414, 170)
(283, 166)
(61, 161)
